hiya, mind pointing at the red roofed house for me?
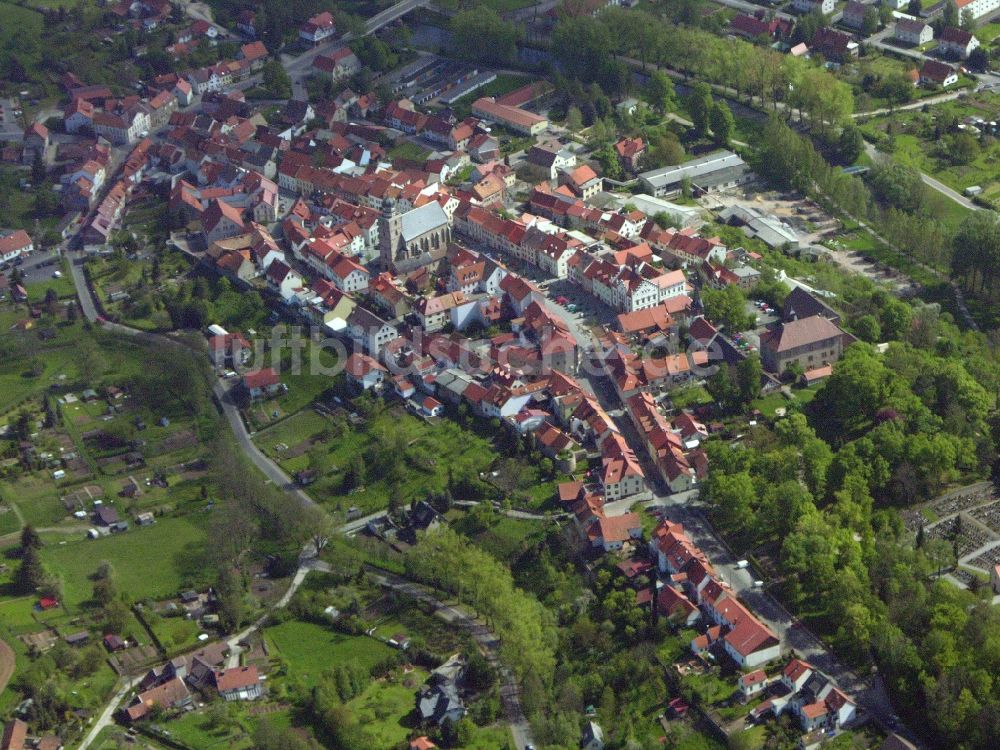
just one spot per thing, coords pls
(752, 683)
(171, 694)
(78, 116)
(583, 181)
(221, 220)
(15, 245)
(14, 735)
(422, 743)
(630, 151)
(263, 384)
(340, 64)
(938, 73)
(978, 8)
(431, 407)
(957, 43)
(36, 142)
(238, 683)
(364, 371)
(610, 534)
(317, 28)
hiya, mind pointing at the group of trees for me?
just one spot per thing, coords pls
(976, 251)
(590, 49)
(526, 630)
(710, 115)
(480, 34)
(818, 493)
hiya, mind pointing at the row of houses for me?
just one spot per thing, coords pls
(698, 595)
(169, 687)
(111, 209)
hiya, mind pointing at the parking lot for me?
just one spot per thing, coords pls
(39, 266)
(11, 128)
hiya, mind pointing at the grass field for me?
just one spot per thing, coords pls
(402, 455)
(310, 649)
(385, 708)
(194, 729)
(409, 151)
(152, 562)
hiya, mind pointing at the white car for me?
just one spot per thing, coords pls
(57, 274)
(742, 564)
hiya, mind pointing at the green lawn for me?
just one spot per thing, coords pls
(402, 455)
(194, 729)
(385, 708)
(152, 562)
(771, 402)
(409, 151)
(309, 649)
(988, 32)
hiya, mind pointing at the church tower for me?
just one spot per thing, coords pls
(389, 231)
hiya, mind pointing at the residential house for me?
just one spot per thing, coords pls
(365, 372)
(593, 737)
(78, 117)
(440, 702)
(758, 26)
(283, 279)
(583, 181)
(483, 147)
(801, 304)
(263, 384)
(221, 220)
(807, 343)
(854, 14)
(238, 683)
(913, 32)
(36, 143)
(15, 245)
(957, 43)
(752, 683)
(317, 28)
(551, 156)
(938, 74)
(369, 331)
(170, 694)
(834, 45)
(338, 65)
(630, 152)
(122, 126)
(611, 534)
(246, 24)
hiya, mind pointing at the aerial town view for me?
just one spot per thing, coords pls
(499, 374)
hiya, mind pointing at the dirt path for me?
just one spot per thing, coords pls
(6, 664)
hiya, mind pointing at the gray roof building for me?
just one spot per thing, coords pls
(706, 173)
(422, 220)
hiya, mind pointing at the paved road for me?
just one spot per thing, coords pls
(223, 394)
(510, 695)
(107, 716)
(932, 183)
(919, 104)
